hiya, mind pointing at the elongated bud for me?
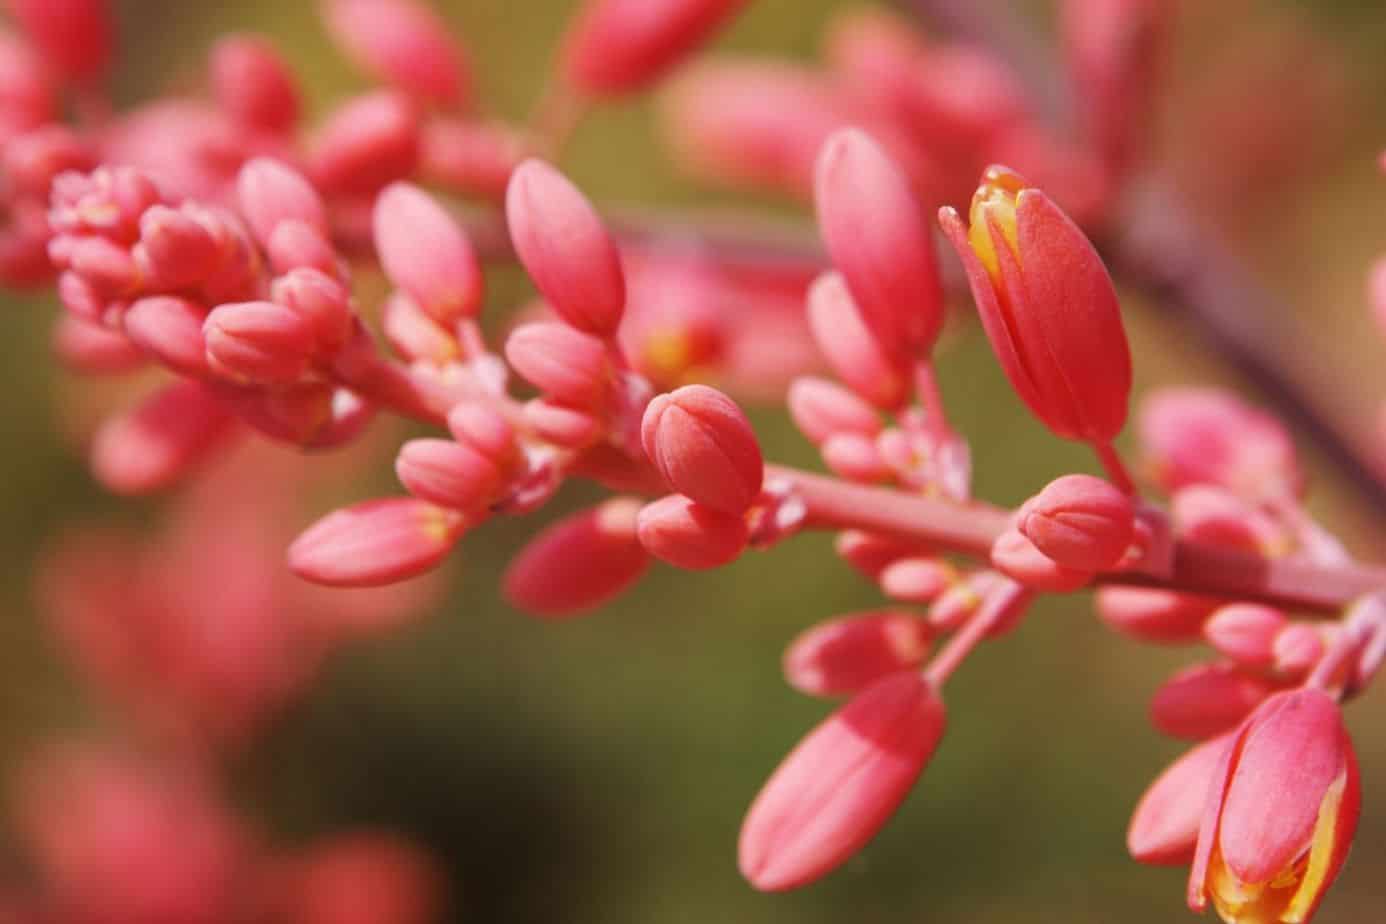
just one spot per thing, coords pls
(1209, 436)
(375, 542)
(1080, 522)
(414, 335)
(565, 363)
(161, 440)
(917, 580)
(870, 553)
(856, 458)
(620, 46)
(169, 329)
(1206, 700)
(1153, 615)
(1014, 555)
(77, 36)
(1245, 632)
(1048, 306)
(1294, 754)
(483, 428)
(877, 237)
(258, 342)
(822, 409)
(565, 248)
(426, 253)
(323, 303)
(1164, 827)
(365, 145)
(253, 83)
(841, 784)
(92, 350)
(471, 157)
(704, 447)
(855, 354)
(175, 250)
(579, 563)
(447, 473)
(849, 653)
(1296, 649)
(403, 43)
(271, 192)
(688, 535)
(563, 426)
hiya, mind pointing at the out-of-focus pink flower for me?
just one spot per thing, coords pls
(1206, 700)
(358, 878)
(251, 81)
(877, 238)
(271, 192)
(565, 248)
(851, 349)
(414, 335)
(77, 36)
(1164, 826)
(841, 784)
(849, 653)
(1048, 306)
(567, 364)
(365, 145)
(1296, 649)
(375, 542)
(580, 562)
(34, 159)
(404, 43)
(470, 157)
(1255, 864)
(916, 579)
(92, 350)
(870, 553)
(1155, 615)
(1245, 632)
(26, 88)
(160, 440)
(823, 409)
(704, 447)
(426, 253)
(619, 46)
(689, 535)
(1081, 522)
(1212, 515)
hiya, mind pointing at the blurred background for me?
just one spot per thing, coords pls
(598, 770)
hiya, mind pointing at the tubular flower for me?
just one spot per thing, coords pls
(1048, 306)
(1274, 867)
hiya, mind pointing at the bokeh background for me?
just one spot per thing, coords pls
(597, 771)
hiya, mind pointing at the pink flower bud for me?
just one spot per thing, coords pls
(1151, 615)
(1048, 306)
(86, 348)
(579, 563)
(77, 37)
(822, 409)
(483, 428)
(917, 580)
(471, 158)
(414, 335)
(105, 265)
(704, 447)
(841, 784)
(1212, 516)
(870, 553)
(849, 653)
(1209, 436)
(365, 145)
(620, 46)
(258, 342)
(403, 43)
(170, 329)
(688, 535)
(856, 458)
(565, 248)
(448, 474)
(565, 363)
(1080, 522)
(26, 86)
(1296, 649)
(270, 192)
(149, 448)
(293, 244)
(1018, 558)
(253, 83)
(876, 236)
(851, 349)
(321, 301)
(175, 250)
(1164, 827)
(1245, 632)
(375, 542)
(563, 426)
(1281, 812)
(425, 253)
(1206, 700)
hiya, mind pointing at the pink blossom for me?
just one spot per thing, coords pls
(160, 440)
(689, 535)
(579, 562)
(252, 82)
(365, 145)
(405, 44)
(426, 254)
(375, 542)
(1164, 826)
(1206, 700)
(704, 447)
(849, 653)
(1080, 522)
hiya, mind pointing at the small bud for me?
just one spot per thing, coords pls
(1080, 522)
(822, 409)
(425, 253)
(579, 563)
(1018, 558)
(175, 250)
(917, 580)
(688, 535)
(1153, 615)
(704, 447)
(294, 244)
(1245, 632)
(1048, 306)
(849, 653)
(375, 542)
(565, 248)
(563, 426)
(403, 43)
(483, 428)
(258, 342)
(565, 363)
(621, 46)
(270, 192)
(1206, 700)
(159, 441)
(365, 145)
(169, 329)
(851, 349)
(448, 474)
(92, 350)
(841, 784)
(252, 82)
(1164, 827)
(323, 303)
(856, 458)
(876, 236)
(1296, 649)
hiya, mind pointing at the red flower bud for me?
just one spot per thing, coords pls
(704, 447)
(1164, 827)
(170, 329)
(365, 145)
(448, 474)
(917, 580)
(403, 43)
(1080, 522)
(1206, 700)
(161, 440)
(258, 342)
(567, 364)
(855, 354)
(270, 192)
(375, 542)
(688, 535)
(1152, 615)
(253, 83)
(579, 563)
(77, 36)
(849, 653)
(426, 253)
(1015, 556)
(822, 409)
(414, 335)
(1245, 632)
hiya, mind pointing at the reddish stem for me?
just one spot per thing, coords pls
(999, 605)
(1115, 467)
